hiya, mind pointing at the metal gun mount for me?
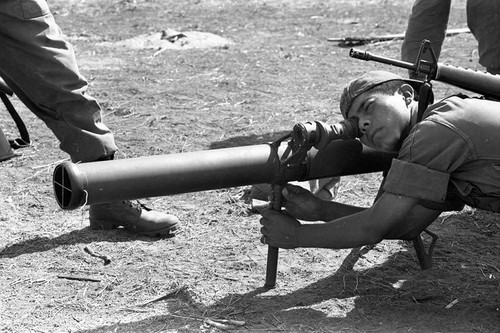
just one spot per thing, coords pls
(312, 134)
(303, 137)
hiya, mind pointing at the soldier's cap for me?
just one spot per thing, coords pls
(368, 81)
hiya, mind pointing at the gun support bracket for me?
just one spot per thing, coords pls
(293, 153)
(425, 258)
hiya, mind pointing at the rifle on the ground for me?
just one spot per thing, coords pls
(362, 40)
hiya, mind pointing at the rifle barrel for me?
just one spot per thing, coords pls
(483, 83)
(367, 56)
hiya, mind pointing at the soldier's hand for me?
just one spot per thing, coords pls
(279, 229)
(301, 203)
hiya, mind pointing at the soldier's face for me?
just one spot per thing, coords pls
(382, 119)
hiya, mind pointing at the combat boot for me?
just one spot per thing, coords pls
(134, 217)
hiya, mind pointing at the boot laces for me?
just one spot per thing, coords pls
(136, 204)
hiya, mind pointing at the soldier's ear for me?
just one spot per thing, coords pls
(407, 91)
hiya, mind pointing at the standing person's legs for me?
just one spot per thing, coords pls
(428, 20)
(40, 67)
(483, 19)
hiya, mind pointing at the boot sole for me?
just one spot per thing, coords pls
(165, 232)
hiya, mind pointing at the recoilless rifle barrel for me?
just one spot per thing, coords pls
(76, 185)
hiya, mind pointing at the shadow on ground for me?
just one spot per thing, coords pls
(378, 299)
(248, 140)
(82, 236)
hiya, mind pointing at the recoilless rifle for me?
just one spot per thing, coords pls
(312, 150)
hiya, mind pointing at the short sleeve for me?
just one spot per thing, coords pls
(416, 181)
(433, 150)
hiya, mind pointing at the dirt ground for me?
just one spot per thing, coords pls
(247, 73)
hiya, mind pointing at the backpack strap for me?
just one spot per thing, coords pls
(24, 141)
(4, 88)
(425, 97)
